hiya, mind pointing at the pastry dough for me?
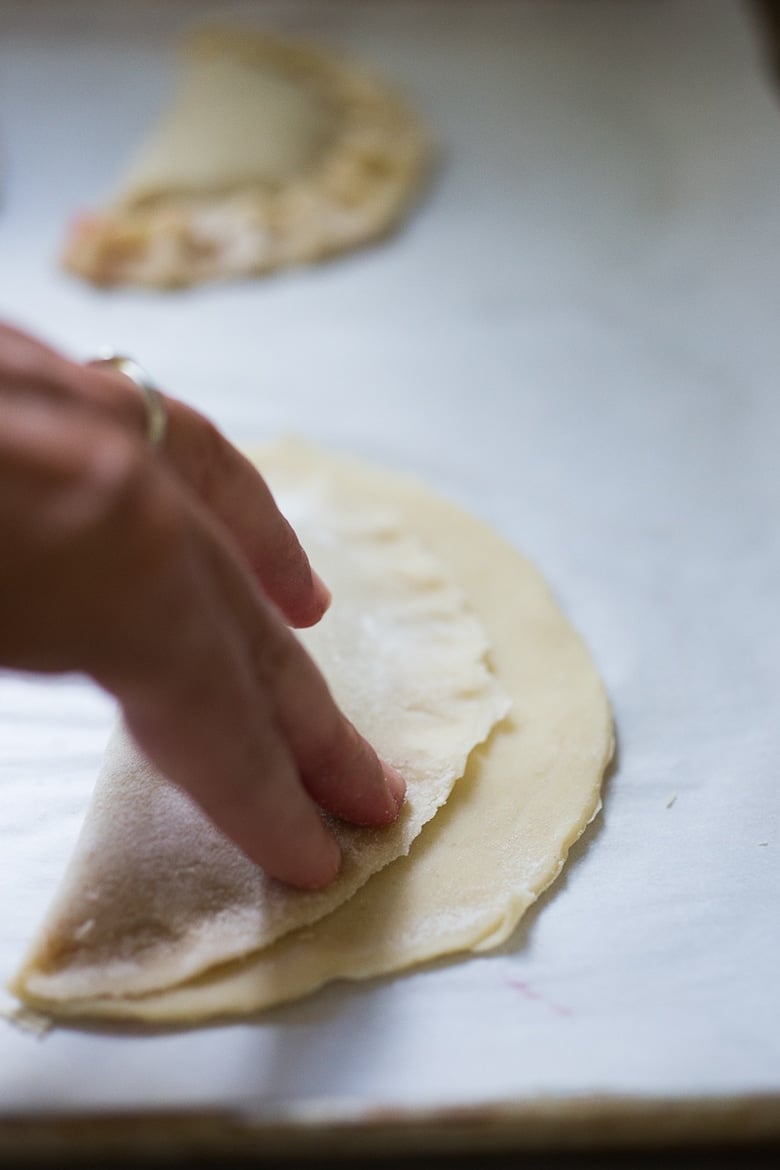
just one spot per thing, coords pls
(503, 837)
(272, 153)
(155, 894)
(527, 794)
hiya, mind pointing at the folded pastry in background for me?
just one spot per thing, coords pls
(272, 153)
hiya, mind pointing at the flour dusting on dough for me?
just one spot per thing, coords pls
(156, 895)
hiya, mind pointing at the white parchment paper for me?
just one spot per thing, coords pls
(577, 337)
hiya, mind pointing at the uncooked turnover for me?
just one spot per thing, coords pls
(494, 844)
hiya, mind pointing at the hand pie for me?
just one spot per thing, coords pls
(272, 153)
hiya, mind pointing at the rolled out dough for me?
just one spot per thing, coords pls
(503, 837)
(155, 894)
(271, 153)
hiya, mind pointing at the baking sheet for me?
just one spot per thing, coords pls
(576, 337)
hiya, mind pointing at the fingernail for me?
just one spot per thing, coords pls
(396, 784)
(322, 593)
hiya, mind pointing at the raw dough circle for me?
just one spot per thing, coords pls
(502, 838)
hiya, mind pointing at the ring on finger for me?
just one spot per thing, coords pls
(154, 401)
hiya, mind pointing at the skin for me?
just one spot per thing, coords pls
(169, 576)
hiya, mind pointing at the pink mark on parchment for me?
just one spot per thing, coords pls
(529, 992)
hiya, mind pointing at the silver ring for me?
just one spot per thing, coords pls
(156, 414)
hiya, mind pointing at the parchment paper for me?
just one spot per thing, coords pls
(576, 337)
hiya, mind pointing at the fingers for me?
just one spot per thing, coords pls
(247, 784)
(227, 483)
(156, 601)
(337, 766)
(235, 492)
(75, 544)
(29, 367)
(238, 714)
(178, 661)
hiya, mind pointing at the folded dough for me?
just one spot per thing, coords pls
(154, 894)
(502, 838)
(271, 153)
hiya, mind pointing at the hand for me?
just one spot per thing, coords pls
(168, 576)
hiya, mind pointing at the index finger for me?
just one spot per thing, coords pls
(238, 497)
(236, 493)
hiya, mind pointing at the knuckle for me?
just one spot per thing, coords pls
(111, 479)
(203, 445)
(117, 497)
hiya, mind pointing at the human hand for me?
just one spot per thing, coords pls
(168, 575)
